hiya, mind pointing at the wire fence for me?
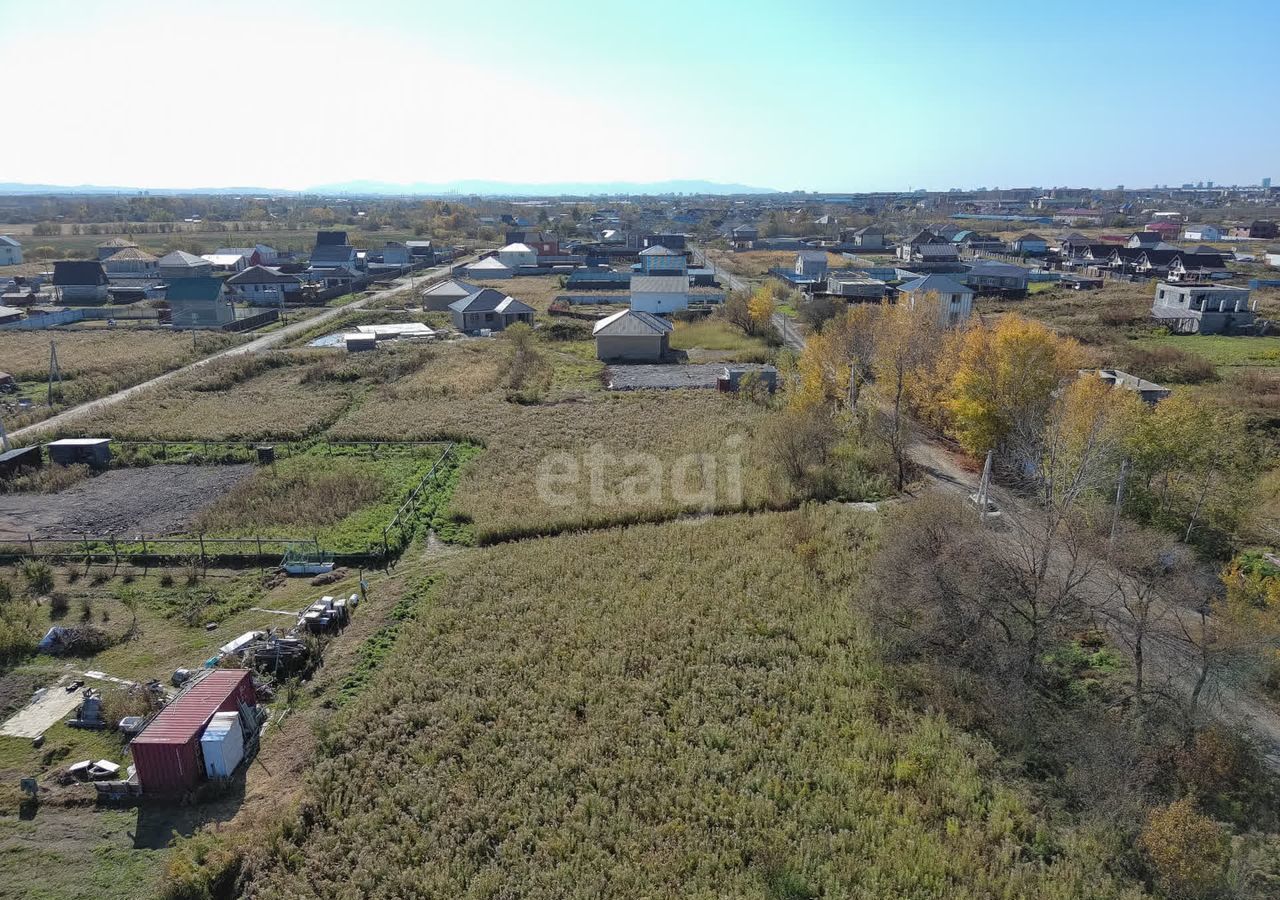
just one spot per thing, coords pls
(144, 550)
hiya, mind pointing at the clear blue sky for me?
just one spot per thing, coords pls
(807, 94)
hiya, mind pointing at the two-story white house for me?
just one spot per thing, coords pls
(955, 300)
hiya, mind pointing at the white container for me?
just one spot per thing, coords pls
(222, 745)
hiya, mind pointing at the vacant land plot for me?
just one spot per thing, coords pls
(94, 363)
(715, 334)
(157, 500)
(1225, 352)
(633, 378)
(757, 263)
(277, 403)
(589, 432)
(679, 710)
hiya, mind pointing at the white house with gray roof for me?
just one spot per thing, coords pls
(955, 300)
(489, 309)
(10, 251)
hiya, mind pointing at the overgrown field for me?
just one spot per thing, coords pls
(574, 459)
(672, 710)
(757, 263)
(95, 363)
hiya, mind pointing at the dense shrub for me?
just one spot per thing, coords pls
(1170, 364)
(1188, 851)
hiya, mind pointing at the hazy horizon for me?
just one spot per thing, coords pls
(817, 96)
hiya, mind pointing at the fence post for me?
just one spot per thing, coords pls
(31, 544)
(202, 560)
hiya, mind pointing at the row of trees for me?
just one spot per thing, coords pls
(1085, 635)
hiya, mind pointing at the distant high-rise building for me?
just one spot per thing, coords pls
(1208, 184)
(1266, 182)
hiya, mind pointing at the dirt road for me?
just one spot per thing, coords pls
(1170, 657)
(272, 339)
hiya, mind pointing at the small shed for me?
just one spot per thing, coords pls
(95, 452)
(731, 378)
(166, 754)
(15, 461)
(358, 342)
(632, 336)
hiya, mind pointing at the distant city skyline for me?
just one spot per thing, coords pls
(818, 95)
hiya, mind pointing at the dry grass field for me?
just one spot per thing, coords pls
(756, 263)
(663, 711)
(455, 397)
(95, 363)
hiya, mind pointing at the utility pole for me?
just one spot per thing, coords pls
(1115, 515)
(55, 373)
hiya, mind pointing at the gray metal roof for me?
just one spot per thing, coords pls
(940, 283)
(631, 322)
(659, 284)
(182, 258)
(490, 300)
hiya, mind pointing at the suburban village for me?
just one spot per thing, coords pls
(232, 478)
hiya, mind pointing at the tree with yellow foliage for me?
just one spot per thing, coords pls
(761, 306)
(837, 361)
(906, 339)
(1188, 851)
(1004, 380)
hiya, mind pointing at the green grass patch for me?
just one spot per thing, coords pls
(1222, 350)
(714, 334)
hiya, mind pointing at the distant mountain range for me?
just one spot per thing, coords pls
(369, 188)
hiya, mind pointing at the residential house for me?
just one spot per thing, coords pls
(1168, 229)
(334, 256)
(395, 253)
(855, 286)
(226, 263)
(180, 264)
(1147, 391)
(111, 246)
(488, 309)
(670, 241)
(1144, 240)
(265, 286)
(80, 281)
(744, 237)
(331, 239)
(926, 246)
(973, 242)
(1273, 258)
(955, 300)
(1264, 230)
(489, 268)
(199, 303)
(991, 277)
(331, 277)
(811, 264)
(1030, 244)
(513, 256)
(659, 260)
(10, 251)
(1198, 266)
(868, 237)
(438, 297)
(1202, 233)
(632, 336)
(1202, 308)
(659, 293)
(540, 242)
(131, 262)
(421, 250)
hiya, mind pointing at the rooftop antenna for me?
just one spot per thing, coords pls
(55, 372)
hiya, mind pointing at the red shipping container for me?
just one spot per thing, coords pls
(166, 755)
